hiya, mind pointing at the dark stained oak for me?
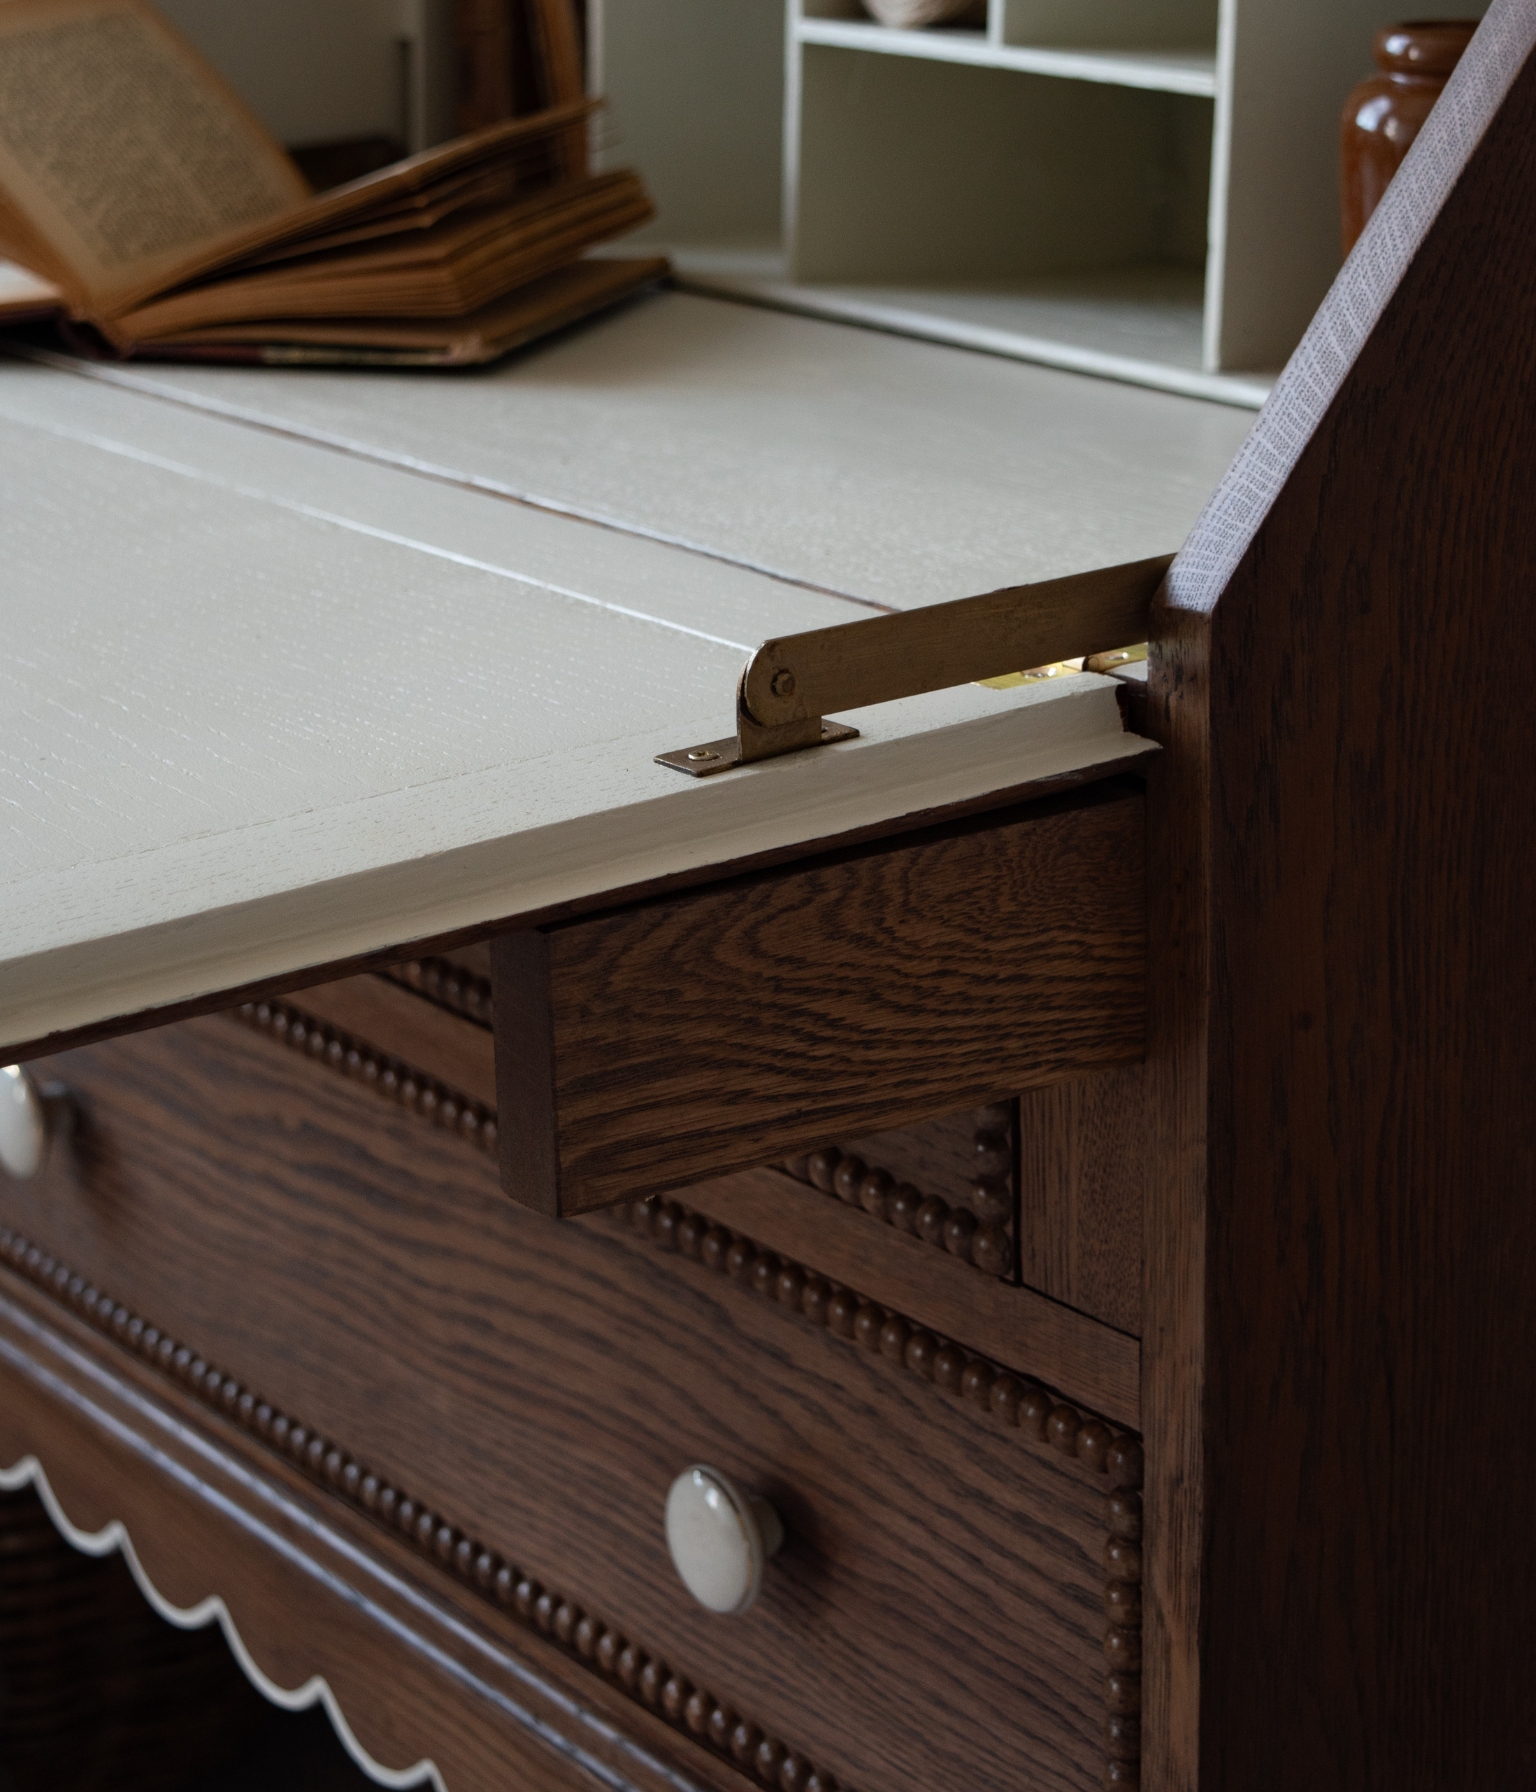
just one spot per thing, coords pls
(686, 1037)
(936, 1622)
(950, 1181)
(941, 1156)
(312, 1588)
(1082, 1148)
(1340, 1330)
(1015, 1326)
(407, 1026)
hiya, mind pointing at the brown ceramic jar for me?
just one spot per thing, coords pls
(1383, 114)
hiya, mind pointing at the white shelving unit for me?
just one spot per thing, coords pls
(1143, 189)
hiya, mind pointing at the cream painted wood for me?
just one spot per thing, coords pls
(1275, 177)
(270, 705)
(1008, 173)
(985, 188)
(1169, 24)
(1142, 325)
(885, 469)
(1182, 70)
(639, 579)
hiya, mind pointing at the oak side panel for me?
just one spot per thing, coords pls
(1082, 1149)
(1341, 1363)
(705, 1033)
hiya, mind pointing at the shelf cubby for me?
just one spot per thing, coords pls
(1144, 189)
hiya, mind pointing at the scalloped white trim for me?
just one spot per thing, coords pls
(30, 1472)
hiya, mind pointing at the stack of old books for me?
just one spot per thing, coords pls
(147, 208)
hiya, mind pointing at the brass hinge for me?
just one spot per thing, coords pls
(789, 684)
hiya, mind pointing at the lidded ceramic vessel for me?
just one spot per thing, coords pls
(1382, 116)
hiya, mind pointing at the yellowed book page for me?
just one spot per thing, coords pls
(25, 294)
(544, 304)
(512, 250)
(519, 146)
(123, 148)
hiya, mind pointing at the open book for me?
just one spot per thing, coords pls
(141, 198)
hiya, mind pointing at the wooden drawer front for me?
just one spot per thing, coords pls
(528, 1389)
(690, 1035)
(915, 1216)
(948, 1180)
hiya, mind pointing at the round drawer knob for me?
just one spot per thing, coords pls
(30, 1119)
(720, 1538)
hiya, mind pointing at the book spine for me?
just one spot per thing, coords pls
(484, 49)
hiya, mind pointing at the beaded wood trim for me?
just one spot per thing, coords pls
(981, 1233)
(642, 1674)
(397, 1081)
(1042, 1416)
(448, 985)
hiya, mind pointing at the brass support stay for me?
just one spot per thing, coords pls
(789, 684)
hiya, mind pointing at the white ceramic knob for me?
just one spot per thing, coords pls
(720, 1538)
(30, 1118)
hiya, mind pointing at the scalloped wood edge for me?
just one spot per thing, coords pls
(113, 1538)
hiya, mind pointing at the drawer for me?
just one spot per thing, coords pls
(1043, 1190)
(955, 1605)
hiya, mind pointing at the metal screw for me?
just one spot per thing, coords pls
(703, 753)
(783, 684)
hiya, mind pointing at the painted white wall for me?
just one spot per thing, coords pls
(314, 70)
(695, 92)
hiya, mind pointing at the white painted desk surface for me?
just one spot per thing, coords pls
(288, 679)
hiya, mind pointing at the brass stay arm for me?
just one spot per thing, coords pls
(789, 684)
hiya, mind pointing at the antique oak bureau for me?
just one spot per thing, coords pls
(997, 1252)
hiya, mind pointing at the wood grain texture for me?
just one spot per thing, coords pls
(1014, 1326)
(482, 1574)
(449, 982)
(311, 1589)
(1082, 1150)
(690, 1037)
(471, 940)
(404, 1085)
(406, 1026)
(900, 1267)
(1341, 1341)
(938, 1156)
(543, 1384)
(999, 1399)
(950, 1181)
